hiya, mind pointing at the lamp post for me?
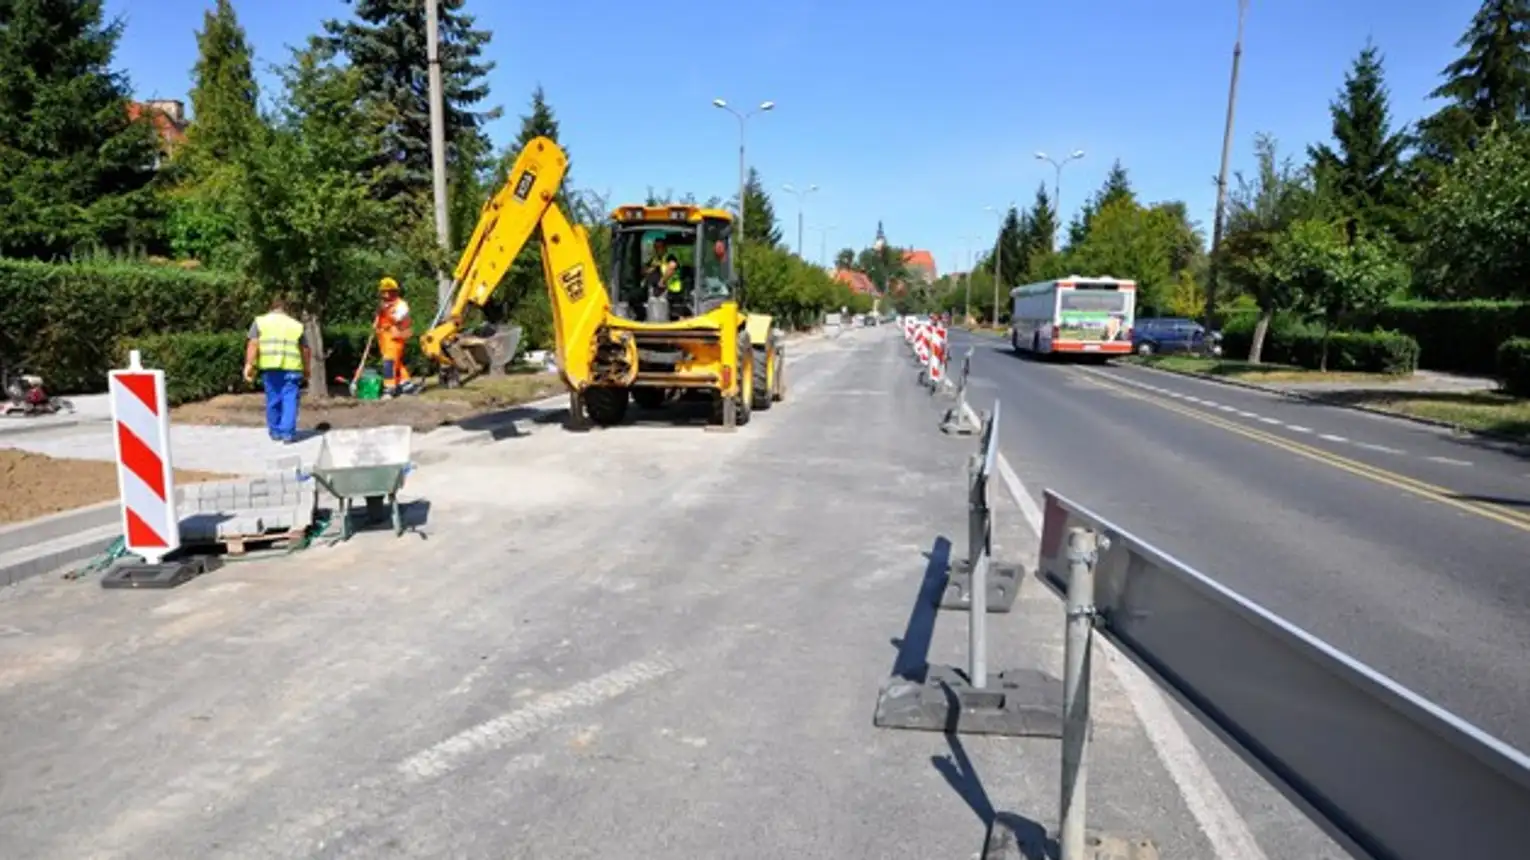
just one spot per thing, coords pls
(967, 242)
(1221, 210)
(743, 120)
(823, 248)
(801, 199)
(998, 259)
(1057, 188)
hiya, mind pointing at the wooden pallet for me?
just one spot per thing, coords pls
(242, 544)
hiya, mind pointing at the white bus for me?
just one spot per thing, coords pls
(1074, 315)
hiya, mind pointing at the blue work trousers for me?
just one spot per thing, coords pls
(281, 402)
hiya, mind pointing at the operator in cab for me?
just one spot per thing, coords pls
(393, 328)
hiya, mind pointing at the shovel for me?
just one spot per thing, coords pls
(366, 352)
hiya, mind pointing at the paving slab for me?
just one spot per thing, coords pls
(643, 642)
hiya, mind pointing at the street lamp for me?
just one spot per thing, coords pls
(998, 258)
(743, 119)
(823, 248)
(801, 197)
(1057, 187)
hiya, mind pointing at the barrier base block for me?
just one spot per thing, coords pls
(1015, 702)
(166, 574)
(1003, 584)
(956, 423)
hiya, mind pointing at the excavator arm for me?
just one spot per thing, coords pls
(523, 207)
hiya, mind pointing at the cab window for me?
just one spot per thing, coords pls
(716, 269)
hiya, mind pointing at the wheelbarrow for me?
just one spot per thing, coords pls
(368, 464)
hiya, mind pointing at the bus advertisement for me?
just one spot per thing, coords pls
(1073, 315)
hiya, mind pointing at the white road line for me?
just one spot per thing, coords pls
(1219, 820)
(1332, 438)
(1369, 446)
(521, 723)
(1268, 420)
(1299, 428)
(1450, 461)
(1225, 408)
(1243, 414)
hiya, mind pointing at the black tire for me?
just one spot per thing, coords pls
(762, 395)
(648, 398)
(606, 406)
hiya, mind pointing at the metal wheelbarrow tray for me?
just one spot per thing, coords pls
(368, 463)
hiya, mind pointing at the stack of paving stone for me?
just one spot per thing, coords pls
(278, 503)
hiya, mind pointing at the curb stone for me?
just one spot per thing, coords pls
(1354, 407)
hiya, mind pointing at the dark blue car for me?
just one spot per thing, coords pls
(1156, 335)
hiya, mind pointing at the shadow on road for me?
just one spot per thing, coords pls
(1004, 833)
(914, 646)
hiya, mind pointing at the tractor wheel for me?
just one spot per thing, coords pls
(762, 396)
(606, 406)
(648, 398)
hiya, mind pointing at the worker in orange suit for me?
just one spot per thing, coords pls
(393, 328)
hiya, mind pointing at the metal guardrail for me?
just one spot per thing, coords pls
(1387, 773)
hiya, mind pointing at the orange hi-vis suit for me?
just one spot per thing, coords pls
(393, 328)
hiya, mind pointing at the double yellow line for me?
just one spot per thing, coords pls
(1488, 510)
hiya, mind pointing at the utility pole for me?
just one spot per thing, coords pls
(438, 148)
(1057, 188)
(967, 311)
(743, 171)
(1227, 136)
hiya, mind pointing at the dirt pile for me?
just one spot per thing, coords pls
(35, 485)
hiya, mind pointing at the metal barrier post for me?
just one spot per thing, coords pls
(1082, 544)
(977, 626)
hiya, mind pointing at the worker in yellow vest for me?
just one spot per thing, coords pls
(278, 348)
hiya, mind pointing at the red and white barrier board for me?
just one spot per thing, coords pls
(937, 360)
(145, 480)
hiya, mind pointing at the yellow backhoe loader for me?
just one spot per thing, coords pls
(673, 325)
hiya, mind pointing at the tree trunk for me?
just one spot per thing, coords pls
(318, 376)
(1261, 328)
(1323, 354)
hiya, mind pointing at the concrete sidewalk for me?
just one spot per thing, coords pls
(645, 642)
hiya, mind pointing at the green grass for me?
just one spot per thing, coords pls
(1255, 373)
(1484, 411)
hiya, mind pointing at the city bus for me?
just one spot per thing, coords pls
(1075, 315)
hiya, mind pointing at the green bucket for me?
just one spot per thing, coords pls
(369, 386)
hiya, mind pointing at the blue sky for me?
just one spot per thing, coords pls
(914, 113)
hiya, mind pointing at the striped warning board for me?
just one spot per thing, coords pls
(145, 480)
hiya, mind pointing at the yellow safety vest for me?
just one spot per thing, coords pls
(278, 343)
(673, 283)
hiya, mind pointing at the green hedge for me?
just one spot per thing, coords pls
(1460, 337)
(1289, 342)
(199, 365)
(1514, 366)
(64, 321)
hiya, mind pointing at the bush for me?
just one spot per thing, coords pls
(1291, 342)
(1514, 366)
(1461, 337)
(64, 321)
(200, 365)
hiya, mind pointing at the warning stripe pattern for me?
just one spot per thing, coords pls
(141, 463)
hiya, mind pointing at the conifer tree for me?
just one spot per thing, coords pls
(1489, 85)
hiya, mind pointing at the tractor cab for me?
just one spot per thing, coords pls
(670, 262)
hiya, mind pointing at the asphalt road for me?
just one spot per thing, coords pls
(1405, 546)
(644, 642)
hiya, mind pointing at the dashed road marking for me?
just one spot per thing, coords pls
(1268, 420)
(1451, 461)
(1298, 428)
(1332, 438)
